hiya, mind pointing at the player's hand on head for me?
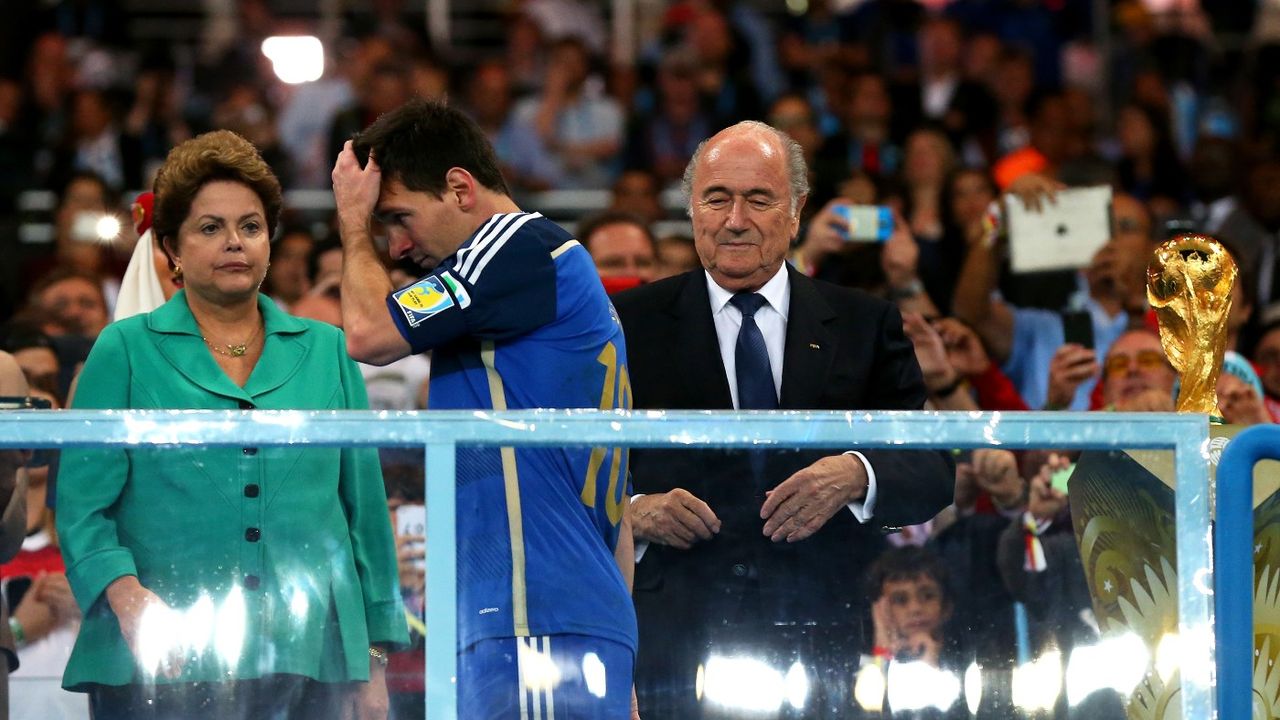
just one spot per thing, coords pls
(676, 518)
(355, 188)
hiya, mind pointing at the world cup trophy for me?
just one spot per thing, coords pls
(1122, 503)
(1189, 283)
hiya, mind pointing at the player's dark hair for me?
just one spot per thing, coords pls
(420, 141)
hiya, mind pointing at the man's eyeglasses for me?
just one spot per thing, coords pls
(1118, 365)
(42, 457)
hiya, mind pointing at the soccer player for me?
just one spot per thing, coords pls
(515, 316)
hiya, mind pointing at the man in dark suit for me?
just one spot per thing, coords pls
(751, 554)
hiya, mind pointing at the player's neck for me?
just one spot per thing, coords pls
(489, 203)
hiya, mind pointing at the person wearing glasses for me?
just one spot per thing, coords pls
(1136, 377)
(226, 582)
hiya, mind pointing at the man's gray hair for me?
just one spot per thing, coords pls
(797, 168)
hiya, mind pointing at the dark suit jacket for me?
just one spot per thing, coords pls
(844, 350)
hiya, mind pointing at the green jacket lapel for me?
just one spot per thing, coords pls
(184, 348)
(283, 350)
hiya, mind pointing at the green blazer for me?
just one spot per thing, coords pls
(280, 559)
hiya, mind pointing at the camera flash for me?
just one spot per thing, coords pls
(108, 228)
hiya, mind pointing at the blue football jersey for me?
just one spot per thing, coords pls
(518, 319)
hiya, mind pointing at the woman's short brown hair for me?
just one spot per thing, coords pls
(217, 155)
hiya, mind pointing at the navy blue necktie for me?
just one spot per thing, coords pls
(755, 377)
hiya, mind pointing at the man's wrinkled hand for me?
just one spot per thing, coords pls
(804, 502)
(674, 518)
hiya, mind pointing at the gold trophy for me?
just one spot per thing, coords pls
(1122, 503)
(1189, 284)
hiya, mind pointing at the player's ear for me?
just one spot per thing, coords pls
(460, 187)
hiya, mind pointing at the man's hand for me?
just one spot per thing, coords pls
(1034, 188)
(826, 233)
(355, 189)
(1043, 501)
(37, 617)
(674, 518)
(996, 471)
(900, 255)
(964, 350)
(1071, 365)
(804, 502)
(931, 353)
(54, 590)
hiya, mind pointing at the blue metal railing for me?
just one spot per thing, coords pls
(441, 432)
(1233, 538)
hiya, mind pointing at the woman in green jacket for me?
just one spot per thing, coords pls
(226, 582)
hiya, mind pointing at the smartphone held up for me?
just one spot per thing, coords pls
(866, 223)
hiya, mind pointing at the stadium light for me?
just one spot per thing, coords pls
(296, 59)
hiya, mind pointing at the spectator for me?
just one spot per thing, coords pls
(72, 303)
(95, 143)
(1240, 394)
(1051, 584)
(622, 248)
(1148, 167)
(1266, 356)
(576, 131)
(1252, 229)
(36, 354)
(724, 65)
(35, 585)
(661, 142)
(637, 192)
(793, 115)
(324, 274)
(1028, 341)
(386, 88)
(84, 201)
(865, 143)
(929, 159)
(288, 279)
(1048, 142)
(676, 255)
(964, 109)
(13, 517)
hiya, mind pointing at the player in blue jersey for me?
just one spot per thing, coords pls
(515, 316)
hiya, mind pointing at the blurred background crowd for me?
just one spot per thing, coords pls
(933, 109)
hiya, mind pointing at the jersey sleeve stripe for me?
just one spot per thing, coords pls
(564, 248)
(468, 257)
(474, 276)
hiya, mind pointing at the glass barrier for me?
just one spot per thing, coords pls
(958, 583)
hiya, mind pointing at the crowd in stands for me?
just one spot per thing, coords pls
(935, 110)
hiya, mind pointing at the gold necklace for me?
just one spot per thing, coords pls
(232, 350)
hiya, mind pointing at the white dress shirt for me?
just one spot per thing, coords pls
(771, 318)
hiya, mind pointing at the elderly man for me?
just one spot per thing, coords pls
(762, 554)
(13, 515)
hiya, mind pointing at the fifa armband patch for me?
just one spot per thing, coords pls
(422, 300)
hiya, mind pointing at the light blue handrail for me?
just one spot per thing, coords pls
(1233, 574)
(441, 432)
